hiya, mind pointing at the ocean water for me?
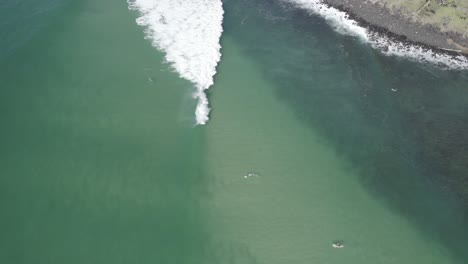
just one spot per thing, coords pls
(188, 32)
(314, 136)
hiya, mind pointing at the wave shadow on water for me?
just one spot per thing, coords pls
(400, 123)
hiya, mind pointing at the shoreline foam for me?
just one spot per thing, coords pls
(435, 23)
(381, 39)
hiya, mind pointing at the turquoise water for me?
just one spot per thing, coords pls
(101, 162)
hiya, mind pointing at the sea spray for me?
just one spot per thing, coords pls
(342, 23)
(188, 31)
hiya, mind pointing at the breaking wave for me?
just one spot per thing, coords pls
(342, 23)
(188, 31)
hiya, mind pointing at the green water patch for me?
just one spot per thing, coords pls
(99, 158)
(399, 123)
(21, 21)
(282, 193)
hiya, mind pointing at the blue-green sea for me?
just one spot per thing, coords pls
(314, 138)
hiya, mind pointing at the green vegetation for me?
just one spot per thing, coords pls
(447, 15)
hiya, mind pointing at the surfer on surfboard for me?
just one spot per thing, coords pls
(337, 245)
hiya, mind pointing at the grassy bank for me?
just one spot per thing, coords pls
(447, 15)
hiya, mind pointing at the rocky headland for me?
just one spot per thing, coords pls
(440, 24)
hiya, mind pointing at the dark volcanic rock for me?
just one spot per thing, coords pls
(381, 19)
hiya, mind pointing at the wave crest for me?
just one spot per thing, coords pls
(188, 31)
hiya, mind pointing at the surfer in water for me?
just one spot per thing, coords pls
(251, 174)
(337, 245)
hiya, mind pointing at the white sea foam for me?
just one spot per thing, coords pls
(188, 31)
(396, 48)
(342, 23)
(339, 20)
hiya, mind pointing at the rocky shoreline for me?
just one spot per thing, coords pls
(383, 20)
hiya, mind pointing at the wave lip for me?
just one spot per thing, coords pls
(342, 23)
(188, 31)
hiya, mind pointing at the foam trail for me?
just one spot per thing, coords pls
(188, 31)
(343, 24)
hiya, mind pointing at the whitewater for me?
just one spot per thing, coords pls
(342, 23)
(188, 32)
